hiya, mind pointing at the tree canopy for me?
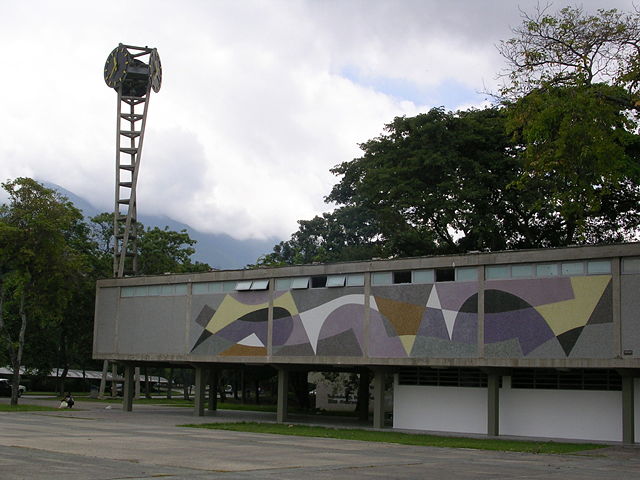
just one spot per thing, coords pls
(555, 162)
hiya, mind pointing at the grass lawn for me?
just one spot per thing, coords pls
(401, 438)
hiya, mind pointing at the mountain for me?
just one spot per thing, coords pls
(221, 251)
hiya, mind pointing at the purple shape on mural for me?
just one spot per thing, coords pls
(282, 328)
(433, 325)
(526, 325)
(381, 344)
(297, 336)
(465, 328)
(537, 291)
(346, 317)
(239, 329)
(453, 295)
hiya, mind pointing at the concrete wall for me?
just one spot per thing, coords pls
(584, 320)
(570, 414)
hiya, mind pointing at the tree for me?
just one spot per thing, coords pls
(572, 48)
(38, 228)
(344, 234)
(159, 250)
(440, 182)
(571, 97)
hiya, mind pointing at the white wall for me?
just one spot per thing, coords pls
(571, 414)
(445, 409)
(575, 414)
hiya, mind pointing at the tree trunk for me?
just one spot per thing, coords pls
(147, 387)
(170, 384)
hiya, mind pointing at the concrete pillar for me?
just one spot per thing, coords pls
(103, 379)
(127, 389)
(283, 393)
(378, 399)
(493, 404)
(136, 375)
(628, 414)
(213, 389)
(114, 384)
(198, 410)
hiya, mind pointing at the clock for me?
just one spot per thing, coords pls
(115, 68)
(155, 70)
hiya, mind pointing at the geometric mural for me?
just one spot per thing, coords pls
(551, 317)
(545, 314)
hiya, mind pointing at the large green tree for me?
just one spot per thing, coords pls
(571, 95)
(159, 250)
(39, 264)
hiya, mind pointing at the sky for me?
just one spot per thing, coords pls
(259, 100)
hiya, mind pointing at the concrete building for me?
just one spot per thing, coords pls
(536, 343)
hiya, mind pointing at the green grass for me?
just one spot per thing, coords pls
(401, 438)
(25, 408)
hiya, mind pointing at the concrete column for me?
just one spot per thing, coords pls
(283, 392)
(628, 414)
(136, 375)
(378, 399)
(213, 389)
(114, 384)
(127, 389)
(493, 404)
(201, 384)
(103, 379)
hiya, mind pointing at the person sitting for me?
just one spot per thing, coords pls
(68, 399)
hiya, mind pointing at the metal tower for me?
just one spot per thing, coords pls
(133, 72)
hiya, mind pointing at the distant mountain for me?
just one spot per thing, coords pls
(218, 250)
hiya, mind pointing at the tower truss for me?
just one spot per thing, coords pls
(133, 72)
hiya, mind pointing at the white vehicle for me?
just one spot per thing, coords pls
(5, 388)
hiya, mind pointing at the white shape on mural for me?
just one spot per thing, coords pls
(450, 320)
(251, 341)
(434, 300)
(313, 319)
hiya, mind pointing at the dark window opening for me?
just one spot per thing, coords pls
(576, 379)
(402, 277)
(319, 282)
(445, 274)
(443, 377)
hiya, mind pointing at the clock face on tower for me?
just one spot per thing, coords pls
(115, 68)
(155, 70)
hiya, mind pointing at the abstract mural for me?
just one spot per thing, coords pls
(539, 318)
(548, 317)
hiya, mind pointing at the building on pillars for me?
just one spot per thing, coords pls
(542, 343)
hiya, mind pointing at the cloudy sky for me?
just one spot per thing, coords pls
(259, 98)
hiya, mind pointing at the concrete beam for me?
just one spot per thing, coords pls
(283, 393)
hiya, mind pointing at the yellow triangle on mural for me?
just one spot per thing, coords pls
(407, 342)
(229, 311)
(569, 314)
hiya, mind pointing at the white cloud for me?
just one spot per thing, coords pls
(254, 109)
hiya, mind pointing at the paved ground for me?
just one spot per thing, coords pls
(94, 442)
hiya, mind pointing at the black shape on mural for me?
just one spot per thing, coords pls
(603, 313)
(569, 338)
(498, 301)
(205, 315)
(205, 334)
(260, 315)
(279, 312)
(470, 305)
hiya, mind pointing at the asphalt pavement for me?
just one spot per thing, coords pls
(93, 441)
